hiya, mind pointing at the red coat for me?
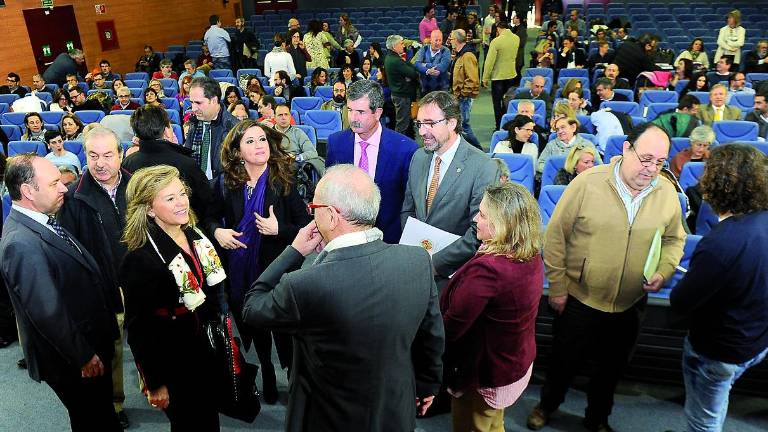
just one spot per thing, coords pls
(131, 106)
(489, 309)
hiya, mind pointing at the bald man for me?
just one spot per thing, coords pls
(433, 61)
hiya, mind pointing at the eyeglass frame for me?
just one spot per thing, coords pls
(313, 206)
(647, 164)
(430, 124)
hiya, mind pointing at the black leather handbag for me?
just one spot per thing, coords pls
(236, 391)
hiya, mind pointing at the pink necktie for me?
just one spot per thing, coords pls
(363, 163)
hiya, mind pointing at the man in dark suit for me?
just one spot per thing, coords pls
(537, 91)
(760, 114)
(357, 365)
(65, 316)
(447, 180)
(383, 153)
(604, 93)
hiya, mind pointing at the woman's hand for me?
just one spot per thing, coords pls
(158, 398)
(227, 240)
(267, 225)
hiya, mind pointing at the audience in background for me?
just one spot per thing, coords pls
(536, 92)
(428, 24)
(58, 155)
(348, 31)
(151, 98)
(204, 60)
(716, 109)
(402, 77)
(299, 54)
(702, 138)
(33, 123)
(681, 121)
(566, 138)
(278, 60)
(13, 85)
(338, 103)
(698, 83)
(319, 79)
(600, 58)
(634, 56)
(738, 85)
(520, 130)
(722, 70)
(434, 63)
(238, 110)
(149, 62)
(570, 56)
(683, 71)
(756, 61)
(166, 71)
(71, 127)
(296, 142)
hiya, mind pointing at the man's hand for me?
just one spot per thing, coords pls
(558, 303)
(93, 368)
(267, 225)
(485, 83)
(159, 398)
(278, 90)
(298, 77)
(227, 240)
(422, 405)
(655, 284)
(307, 239)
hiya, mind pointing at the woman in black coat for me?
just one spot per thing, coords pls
(261, 214)
(171, 277)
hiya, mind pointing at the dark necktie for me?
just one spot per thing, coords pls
(53, 223)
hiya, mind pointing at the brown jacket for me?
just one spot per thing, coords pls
(465, 81)
(593, 254)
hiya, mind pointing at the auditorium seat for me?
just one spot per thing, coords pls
(169, 83)
(732, 130)
(6, 206)
(706, 219)
(743, 101)
(690, 174)
(324, 92)
(655, 109)
(545, 72)
(179, 132)
(17, 147)
(657, 96)
(220, 73)
(90, 116)
(548, 198)
(173, 116)
(702, 96)
(497, 136)
(14, 118)
(324, 122)
(564, 79)
(678, 144)
(53, 117)
(76, 147)
(310, 131)
(255, 72)
(626, 92)
(12, 132)
(551, 167)
(614, 147)
(539, 107)
(521, 169)
(133, 83)
(631, 108)
(303, 104)
(574, 73)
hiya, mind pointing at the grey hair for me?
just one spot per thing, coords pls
(702, 133)
(393, 40)
(362, 88)
(502, 166)
(526, 102)
(76, 53)
(718, 85)
(358, 202)
(101, 131)
(460, 36)
(448, 104)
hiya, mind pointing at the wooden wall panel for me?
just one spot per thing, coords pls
(154, 22)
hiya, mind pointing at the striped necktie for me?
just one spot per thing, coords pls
(433, 185)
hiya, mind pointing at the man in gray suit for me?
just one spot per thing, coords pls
(446, 181)
(357, 365)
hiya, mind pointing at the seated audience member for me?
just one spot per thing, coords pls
(569, 86)
(319, 79)
(543, 54)
(157, 86)
(106, 70)
(296, 143)
(278, 60)
(266, 110)
(722, 70)
(99, 83)
(255, 93)
(760, 114)
(554, 19)
(282, 85)
(149, 62)
(489, 310)
(166, 71)
(702, 139)
(348, 55)
(347, 75)
(190, 69)
(503, 168)
(60, 101)
(579, 159)
(238, 110)
(612, 72)
(80, 103)
(536, 91)
(695, 53)
(683, 71)
(600, 58)
(124, 101)
(117, 84)
(68, 174)
(38, 85)
(681, 121)
(72, 82)
(564, 141)
(58, 155)
(737, 85)
(33, 123)
(730, 39)
(577, 102)
(716, 109)
(756, 61)
(365, 71)
(527, 108)
(231, 95)
(183, 95)
(13, 85)
(520, 130)
(575, 22)
(722, 295)
(699, 82)
(569, 55)
(604, 93)
(338, 103)
(634, 56)
(151, 98)
(204, 60)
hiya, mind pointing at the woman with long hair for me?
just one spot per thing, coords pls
(255, 93)
(61, 101)
(683, 71)
(699, 82)
(314, 41)
(183, 93)
(171, 278)
(262, 213)
(521, 129)
(489, 310)
(71, 127)
(695, 53)
(319, 79)
(347, 30)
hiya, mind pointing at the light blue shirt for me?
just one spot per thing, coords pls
(631, 204)
(184, 74)
(69, 159)
(216, 38)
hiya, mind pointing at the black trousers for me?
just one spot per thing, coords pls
(498, 89)
(89, 401)
(582, 332)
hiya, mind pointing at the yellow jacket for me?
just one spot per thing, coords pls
(465, 78)
(501, 57)
(593, 254)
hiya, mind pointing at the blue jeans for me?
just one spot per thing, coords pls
(465, 104)
(707, 386)
(221, 62)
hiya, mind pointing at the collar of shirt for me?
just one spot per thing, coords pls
(354, 239)
(113, 191)
(38, 217)
(446, 159)
(631, 203)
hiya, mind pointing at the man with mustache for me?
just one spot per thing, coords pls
(383, 153)
(94, 213)
(338, 103)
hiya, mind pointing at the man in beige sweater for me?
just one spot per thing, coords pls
(499, 66)
(595, 250)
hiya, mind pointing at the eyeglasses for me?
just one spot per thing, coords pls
(312, 207)
(647, 163)
(11, 80)
(430, 124)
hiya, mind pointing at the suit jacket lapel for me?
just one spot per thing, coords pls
(57, 242)
(421, 188)
(452, 174)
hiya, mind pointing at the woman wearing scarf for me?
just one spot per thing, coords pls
(170, 276)
(262, 213)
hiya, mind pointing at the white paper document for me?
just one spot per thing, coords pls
(418, 233)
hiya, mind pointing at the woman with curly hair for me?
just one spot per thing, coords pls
(319, 79)
(723, 294)
(262, 213)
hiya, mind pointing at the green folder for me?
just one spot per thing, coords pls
(654, 256)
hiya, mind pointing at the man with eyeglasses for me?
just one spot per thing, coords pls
(738, 85)
(99, 83)
(124, 101)
(81, 103)
(12, 85)
(595, 250)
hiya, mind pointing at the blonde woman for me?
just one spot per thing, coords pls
(731, 38)
(489, 310)
(171, 276)
(579, 159)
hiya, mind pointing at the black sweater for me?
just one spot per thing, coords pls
(725, 292)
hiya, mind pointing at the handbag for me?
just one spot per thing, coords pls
(236, 391)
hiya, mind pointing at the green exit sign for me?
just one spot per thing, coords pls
(46, 50)
(47, 3)
(70, 45)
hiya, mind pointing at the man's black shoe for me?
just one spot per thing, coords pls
(123, 418)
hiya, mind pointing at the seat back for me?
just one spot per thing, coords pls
(539, 107)
(324, 122)
(631, 108)
(303, 104)
(626, 92)
(496, 137)
(657, 96)
(220, 73)
(170, 83)
(52, 117)
(545, 72)
(18, 147)
(521, 168)
(90, 116)
(678, 144)
(614, 147)
(131, 83)
(690, 174)
(548, 198)
(14, 118)
(8, 98)
(76, 147)
(324, 92)
(702, 96)
(143, 76)
(731, 130)
(656, 108)
(574, 73)
(310, 131)
(13, 132)
(743, 101)
(551, 167)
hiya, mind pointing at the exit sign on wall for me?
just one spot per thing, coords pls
(47, 3)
